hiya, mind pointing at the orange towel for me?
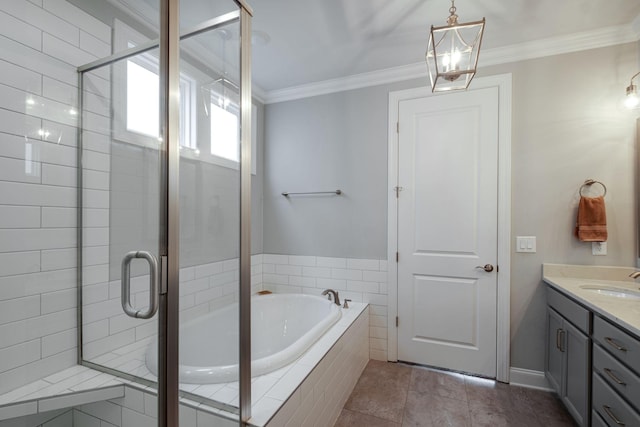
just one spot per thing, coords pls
(592, 220)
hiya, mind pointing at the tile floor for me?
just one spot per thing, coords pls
(398, 395)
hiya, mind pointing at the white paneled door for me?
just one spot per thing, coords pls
(447, 230)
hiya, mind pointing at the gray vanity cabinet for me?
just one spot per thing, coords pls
(568, 354)
(616, 374)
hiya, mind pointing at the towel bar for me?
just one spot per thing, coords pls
(336, 192)
(589, 183)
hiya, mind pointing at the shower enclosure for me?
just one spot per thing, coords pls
(164, 194)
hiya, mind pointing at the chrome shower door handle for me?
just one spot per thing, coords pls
(125, 279)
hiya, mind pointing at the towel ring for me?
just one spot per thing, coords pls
(589, 183)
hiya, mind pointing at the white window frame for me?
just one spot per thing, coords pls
(125, 37)
(232, 164)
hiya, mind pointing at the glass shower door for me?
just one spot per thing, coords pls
(121, 221)
(134, 185)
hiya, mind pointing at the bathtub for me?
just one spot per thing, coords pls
(283, 327)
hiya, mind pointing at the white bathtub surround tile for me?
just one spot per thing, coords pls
(360, 280)
(335, 284)
(331, 262)
(329, 364)
(226, 394)
(374, 276)
(309, 261)
(275, 259)
(347, 274)
(324, 272)
(268, 268)
(261, 385)
(206, 390)
(360, 286)
(363, 264)
(301, 281)
(290, 270)
(275, 279)
(327, 385)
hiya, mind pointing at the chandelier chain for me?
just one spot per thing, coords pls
(453, 18)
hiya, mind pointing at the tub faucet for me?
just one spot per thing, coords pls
(635, 274)
(336, 298)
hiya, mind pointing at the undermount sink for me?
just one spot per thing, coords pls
(612, 291)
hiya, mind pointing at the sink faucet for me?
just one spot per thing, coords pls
(336, 298)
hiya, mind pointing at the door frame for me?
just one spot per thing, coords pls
(503, 315)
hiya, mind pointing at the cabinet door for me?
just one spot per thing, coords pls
(553, 360)
(577, 374)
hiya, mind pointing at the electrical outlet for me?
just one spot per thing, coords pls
(598, 248)
(526, 244)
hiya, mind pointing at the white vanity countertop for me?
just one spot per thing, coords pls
(568, 279)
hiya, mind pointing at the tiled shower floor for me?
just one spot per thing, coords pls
(398, 395)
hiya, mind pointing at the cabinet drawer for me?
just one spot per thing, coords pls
(618, 376)
(623, 346)
(611, 407)
(570, 310)
(597, 421)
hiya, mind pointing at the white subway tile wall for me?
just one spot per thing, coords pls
(361, 280)
(41, 44)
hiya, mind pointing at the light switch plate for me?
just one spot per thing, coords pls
(526, 244)
(598, 248)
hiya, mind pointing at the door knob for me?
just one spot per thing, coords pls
(487, 267)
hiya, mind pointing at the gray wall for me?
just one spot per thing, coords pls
(567, 126)
(330, 142)
(209, 206)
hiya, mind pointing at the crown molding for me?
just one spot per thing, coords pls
(608, 36)
(356, 81)
(635, 27)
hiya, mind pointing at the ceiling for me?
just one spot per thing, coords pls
(316, 40)
(304, 42)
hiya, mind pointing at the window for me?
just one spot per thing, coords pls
(136, 106)
(225, 135)
(224, 116)
(143, 100)
(139, 97)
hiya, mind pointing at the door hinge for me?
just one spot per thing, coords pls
(497, 268)
(397, 321)
(397, 189)
(397, 127)
(397, 257)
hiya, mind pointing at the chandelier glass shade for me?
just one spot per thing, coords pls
(452, 53)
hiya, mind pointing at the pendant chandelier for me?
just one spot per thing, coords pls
(452, 54)
(631, 100)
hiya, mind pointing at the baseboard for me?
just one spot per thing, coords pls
(528, 378)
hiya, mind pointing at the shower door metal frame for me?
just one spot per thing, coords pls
(168, 327)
